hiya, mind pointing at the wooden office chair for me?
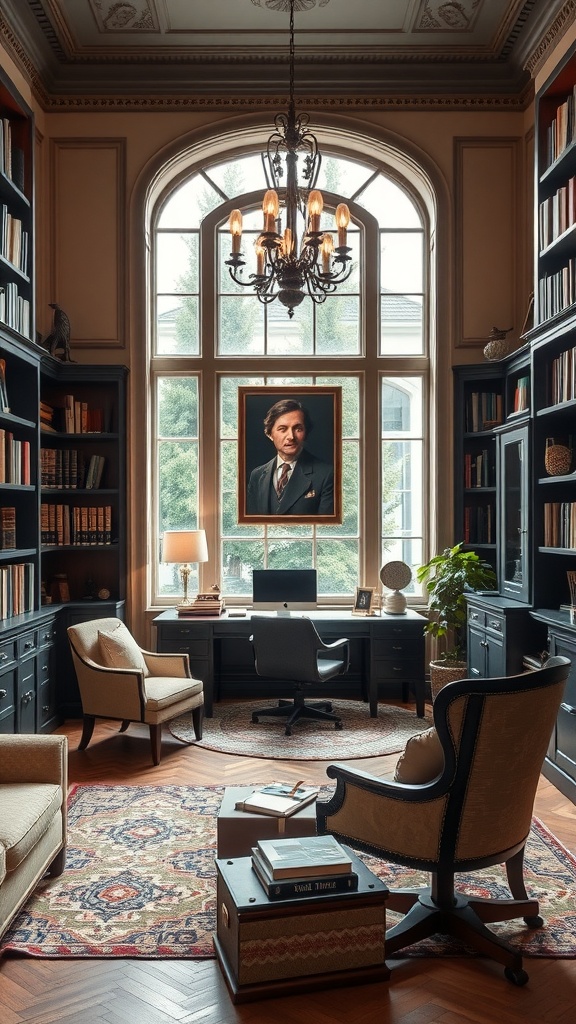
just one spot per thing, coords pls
(473, 812)
(117, 679)
(288, 647)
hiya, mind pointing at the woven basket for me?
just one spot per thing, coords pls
(557, 459)
(442, 672)
(499, 348)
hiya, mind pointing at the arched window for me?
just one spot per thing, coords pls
(210, 336)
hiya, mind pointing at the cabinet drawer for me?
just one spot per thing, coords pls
(401, 647)
(183, 630)
(495, 622)
(46, 635)
(397, 631)
(476, 616)
(27, 644)
(7, 655)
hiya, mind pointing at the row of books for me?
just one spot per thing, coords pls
(68, 468)
(14, 240)
(557, 291)
(484, 410)
(563, 377)
(479, 470)
(14, 459)
(562, 130)
(73, 417)
(479, 524)
(16, 589)
(560, 524)
(81, 525)
(557, 213)
(309, 866)
(14, 308)
(11, 155)
(7, 528)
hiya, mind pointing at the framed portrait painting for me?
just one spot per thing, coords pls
(290, 454)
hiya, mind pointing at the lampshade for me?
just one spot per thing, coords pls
(184, 546)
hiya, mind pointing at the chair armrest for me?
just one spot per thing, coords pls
(334, 647)
(168, 664)
(27, 758)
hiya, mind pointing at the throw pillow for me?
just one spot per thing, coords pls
(118, 649)
(422, 760)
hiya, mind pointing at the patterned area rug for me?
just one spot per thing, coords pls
(232, 731)
(140, 882)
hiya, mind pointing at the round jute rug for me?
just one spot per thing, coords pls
(232, 731)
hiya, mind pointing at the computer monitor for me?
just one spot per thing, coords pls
(284, 590)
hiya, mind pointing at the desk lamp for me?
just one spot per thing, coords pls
(185, 546)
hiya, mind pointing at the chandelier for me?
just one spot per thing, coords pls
(285, 270)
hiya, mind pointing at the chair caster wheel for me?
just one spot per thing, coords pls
(287, 732)
(255, 719)
(534, 922)
(338, 725)
(516, 977)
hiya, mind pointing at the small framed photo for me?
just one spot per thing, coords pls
(363, 601)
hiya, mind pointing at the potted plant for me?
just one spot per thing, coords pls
(447, 578)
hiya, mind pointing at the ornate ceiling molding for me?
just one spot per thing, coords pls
(562, 22)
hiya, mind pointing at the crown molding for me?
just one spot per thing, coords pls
(562, 22)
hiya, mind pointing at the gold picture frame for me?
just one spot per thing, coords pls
(363, 601)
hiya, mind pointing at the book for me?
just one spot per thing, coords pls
(278, 801)
(299, 888)
(304, 857)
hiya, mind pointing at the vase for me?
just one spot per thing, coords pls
(557, 458)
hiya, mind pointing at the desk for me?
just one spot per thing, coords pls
(385, 650)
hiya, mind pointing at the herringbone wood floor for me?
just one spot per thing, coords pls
(420, 991)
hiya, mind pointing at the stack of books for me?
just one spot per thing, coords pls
(204, 604)
(309, 866)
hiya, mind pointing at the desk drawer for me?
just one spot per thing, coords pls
(183, 631)
(401, 647)
(195, 648)
(398, 668)
(7, 655)
(27, 644)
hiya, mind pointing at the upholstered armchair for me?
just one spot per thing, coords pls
(466, 804)
(118, 679)
(33, 792)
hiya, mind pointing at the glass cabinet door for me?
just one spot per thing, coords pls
(514, 515)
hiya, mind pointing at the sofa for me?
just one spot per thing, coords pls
(33, 792)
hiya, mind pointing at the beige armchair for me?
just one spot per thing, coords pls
(471, 809)
(33, 791)
(118, 679)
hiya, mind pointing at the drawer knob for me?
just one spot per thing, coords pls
(45, 708)
(3, 694)
(568, 708)
(28, 645)
(3, 656)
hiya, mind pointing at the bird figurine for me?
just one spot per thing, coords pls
(59, 338)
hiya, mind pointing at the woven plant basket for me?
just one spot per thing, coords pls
(499, 348)
(442, 672)
(557, 458)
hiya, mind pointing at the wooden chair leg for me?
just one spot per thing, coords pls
(197, 721)
(57, 866)
(156, 742)
(125, 725)
(87, 730)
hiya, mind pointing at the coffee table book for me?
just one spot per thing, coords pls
(313, 885)
(276, 803)
(269, 948)
(304, 856)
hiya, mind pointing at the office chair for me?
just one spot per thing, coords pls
(289, 648)
(473, 812)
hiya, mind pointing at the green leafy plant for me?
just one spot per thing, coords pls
(447, 578)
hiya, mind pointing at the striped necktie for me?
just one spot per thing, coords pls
(282, 480)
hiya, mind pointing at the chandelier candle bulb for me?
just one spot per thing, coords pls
(271, 208)
(235, 227)
(342, 221)
(260, 257)
(326, 250)
(315, 207)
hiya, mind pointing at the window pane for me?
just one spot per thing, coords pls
(290, 336)
(338, 567)
(401, 325)
(402, 470)
(189, 204)
(177, 406)
(177, 325)
(343, 177)
(241, 325)
(177, 262)
(386, 201)
(243, 175)
(178, 485)
(401, 266)
(338, 325)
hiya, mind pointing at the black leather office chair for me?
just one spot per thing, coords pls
(288, 647)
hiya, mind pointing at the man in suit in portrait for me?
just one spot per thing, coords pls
(295, 482)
